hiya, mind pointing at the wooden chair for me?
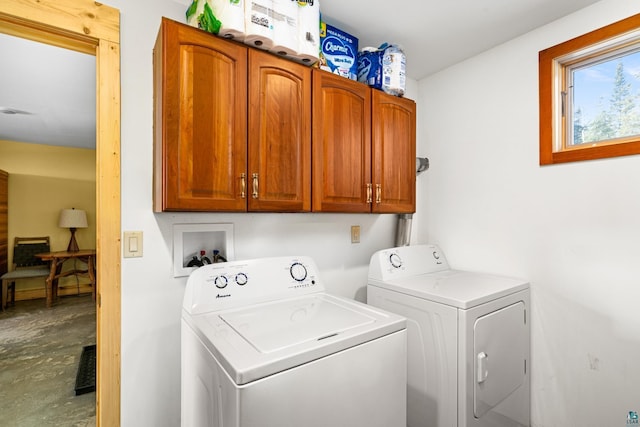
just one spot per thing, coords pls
(25, 265)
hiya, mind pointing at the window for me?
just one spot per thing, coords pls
(590, 95)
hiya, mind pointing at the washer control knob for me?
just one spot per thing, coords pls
(395, 260)
(298, 271)
(241, 279)
(221, 282)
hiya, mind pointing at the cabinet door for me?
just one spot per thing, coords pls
(394, 154)
(341, 144)
(279, 134)
(200, 121)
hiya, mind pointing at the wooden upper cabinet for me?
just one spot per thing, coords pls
(237, 129)
(393, 154)
(279, 173)
(200, 97)
(364, 148)
(341, 144)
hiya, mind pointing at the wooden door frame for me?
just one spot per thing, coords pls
(89, 27)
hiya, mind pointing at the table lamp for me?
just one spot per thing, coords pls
(72, 219)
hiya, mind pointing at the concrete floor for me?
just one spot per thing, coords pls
(40, 350)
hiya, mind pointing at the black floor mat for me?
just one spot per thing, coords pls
(86, 376)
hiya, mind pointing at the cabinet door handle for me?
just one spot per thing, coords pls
(243, 185)
(378, 193)
(368, 193)
(255, 185)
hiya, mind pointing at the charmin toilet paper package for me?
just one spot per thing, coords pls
(222, 17)
(285, 27)
(258, 23)
(308, 32)
(338, 51)
(383, 68)
(370, 66)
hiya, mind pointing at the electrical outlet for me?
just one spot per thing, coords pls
(355, 234)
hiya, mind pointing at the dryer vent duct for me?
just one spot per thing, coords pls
(422, 164)
(403, 230)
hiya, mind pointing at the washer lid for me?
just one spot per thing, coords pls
(287, 324)
(461, 289)
(256, 341)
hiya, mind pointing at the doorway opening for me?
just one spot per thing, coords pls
(90, 27)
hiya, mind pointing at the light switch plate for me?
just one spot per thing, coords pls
(132, 244)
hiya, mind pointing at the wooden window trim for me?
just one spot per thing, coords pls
(548, 78)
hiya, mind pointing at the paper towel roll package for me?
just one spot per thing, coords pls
(196, 16)
(222, 17)
(393, 70)
(258, 23)
(231, 16)
(308, 32)
(285, 27)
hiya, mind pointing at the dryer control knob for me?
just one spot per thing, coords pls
(221, 282)
(395, 260)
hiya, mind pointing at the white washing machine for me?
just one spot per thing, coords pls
(263, 345)
(468, 338)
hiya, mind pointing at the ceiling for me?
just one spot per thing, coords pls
(52, 90)
(436, 34)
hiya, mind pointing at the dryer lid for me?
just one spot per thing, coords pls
(461, 289)
(256, 341)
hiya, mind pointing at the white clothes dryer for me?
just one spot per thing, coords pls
(263, 345)
(468, 338)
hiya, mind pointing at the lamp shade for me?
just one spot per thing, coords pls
(73, 218)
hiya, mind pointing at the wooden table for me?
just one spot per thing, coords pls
(56, 259)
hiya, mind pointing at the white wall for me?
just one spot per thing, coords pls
(151, 297)
(573, 230)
